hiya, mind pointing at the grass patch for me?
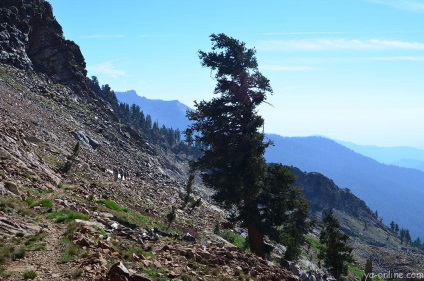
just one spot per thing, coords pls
(60, 185)
(19, 253)
(112, 205)
(35, 242)
(124, 216)
(47, 191)
(134, 249)
(31, 274)
(233, 238)
(2, 271)
(6, 251)
(154, 274)
(15, 206)
(71, 250)
(66, 215)
(45, 203)
(76, 274)
(355, 270)
(314, 243)
(28, 177)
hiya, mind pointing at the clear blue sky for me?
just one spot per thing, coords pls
(346, 69)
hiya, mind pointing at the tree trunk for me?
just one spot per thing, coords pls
(256, 239)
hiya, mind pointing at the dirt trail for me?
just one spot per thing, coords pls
(46, 263)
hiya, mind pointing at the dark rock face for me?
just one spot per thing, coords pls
(322, 193)
(31, 38)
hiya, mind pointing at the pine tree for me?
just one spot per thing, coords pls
(367, 271)
(392, 226)
(71, 159)
(228, 129)
(334, 251)
(170, 217)
(189, 186)
(284, 210)
(417, 242)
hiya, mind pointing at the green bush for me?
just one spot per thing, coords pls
(31, 274)
(233, 238)
(19, 253)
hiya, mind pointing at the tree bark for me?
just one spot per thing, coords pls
(256, 239)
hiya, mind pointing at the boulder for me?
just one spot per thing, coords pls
(4, 155)
(12, 187)
(118, 272)
(82, 137)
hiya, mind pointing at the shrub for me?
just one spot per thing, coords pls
(31, 274)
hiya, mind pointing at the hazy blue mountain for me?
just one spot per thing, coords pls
(402, 156)
(410, 163)
(168, 113)
(396, 192)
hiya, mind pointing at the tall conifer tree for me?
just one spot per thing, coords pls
(229, 130)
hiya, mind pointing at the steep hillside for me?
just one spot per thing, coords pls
(370, 237)
(168, 113)
(38, 202)
(395, 192)
(79, 224)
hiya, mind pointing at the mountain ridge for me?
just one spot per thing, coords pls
(366, 177)
(403, 156)
(168, 113)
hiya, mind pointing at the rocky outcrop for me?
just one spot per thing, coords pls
(31, 38)
(322, 193)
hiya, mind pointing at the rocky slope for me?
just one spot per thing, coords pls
(39, 129)
(82, 224)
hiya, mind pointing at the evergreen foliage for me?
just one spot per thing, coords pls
(227, 131)
(71, 159)
(170, 217)
(284, 210)
(135, 117)
(367, 271)
(334, 250)
(189, 187)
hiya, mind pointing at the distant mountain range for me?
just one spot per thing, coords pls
(394, 191)
(168, 113)
(402, 156)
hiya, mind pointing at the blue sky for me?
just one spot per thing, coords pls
(346, 69)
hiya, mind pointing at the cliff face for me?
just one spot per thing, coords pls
(32, 39)
(322, 193)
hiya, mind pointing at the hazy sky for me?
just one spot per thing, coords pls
(346, 69)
